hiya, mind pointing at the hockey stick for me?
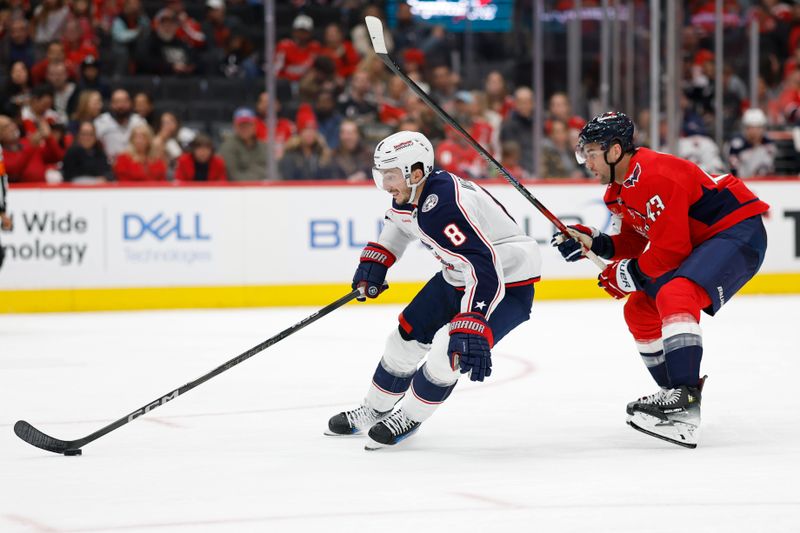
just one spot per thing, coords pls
(33, 436)
(375, 28)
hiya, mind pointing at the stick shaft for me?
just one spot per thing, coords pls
(36, 438)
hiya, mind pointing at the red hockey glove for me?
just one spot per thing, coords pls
(471, 341)
(621, 278)
(371, 271)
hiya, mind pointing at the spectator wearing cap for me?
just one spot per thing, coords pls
(115, 126)
(142, 159)
(29, 159)
(200, 163)
(296, 55)
(86, 161)
(307, 157)
(519, 126)
(163, 51)
(284, 128)
(91, 79)
(128, 32)
(352, 160)
(244, 155)
(55, 54)
(751, 152)
(18, 46)
(219, 26)
(340, 50)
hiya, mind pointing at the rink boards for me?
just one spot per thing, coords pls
(166, 246)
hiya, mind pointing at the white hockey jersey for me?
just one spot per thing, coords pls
(480, 246)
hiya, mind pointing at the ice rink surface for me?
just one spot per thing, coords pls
(540, 447)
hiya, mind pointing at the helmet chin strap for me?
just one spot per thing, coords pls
(413, 187)
(613, 165)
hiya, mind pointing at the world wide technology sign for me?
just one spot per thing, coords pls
(285, 235)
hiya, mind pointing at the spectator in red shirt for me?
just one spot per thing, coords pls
(40, 110)
(341, 51)
(143, 160)
(200, 163)
(497, 94)
(391, 109)
(29, 159)
(77, 46)
(189, 30)
(296, 55)
(284, 128)
(55, 54)
(456, 156)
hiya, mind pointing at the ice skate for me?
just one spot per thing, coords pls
(670, 414)
(354, 422)
(391, 431)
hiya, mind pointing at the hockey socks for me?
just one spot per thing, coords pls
(652, 353)
(683, 349)
(426, 395)
(387, 388)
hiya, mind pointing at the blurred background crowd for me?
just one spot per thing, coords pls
(139, 90)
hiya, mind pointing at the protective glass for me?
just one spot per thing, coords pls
(386, 178)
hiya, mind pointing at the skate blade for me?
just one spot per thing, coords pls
(679, 433)
(357, 434)
(372, 446)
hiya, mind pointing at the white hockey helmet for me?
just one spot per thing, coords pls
(403, 150)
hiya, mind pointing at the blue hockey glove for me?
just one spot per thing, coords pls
(621, 278)
(371, 271)
(571, 247)
(470, 346)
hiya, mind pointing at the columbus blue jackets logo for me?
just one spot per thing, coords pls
(633, 179)
(430, 203)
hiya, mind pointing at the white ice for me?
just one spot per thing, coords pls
(541, 446)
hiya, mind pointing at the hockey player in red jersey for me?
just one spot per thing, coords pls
(687, 243)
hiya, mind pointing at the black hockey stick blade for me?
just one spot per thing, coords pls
(375, 29)
(34, 437)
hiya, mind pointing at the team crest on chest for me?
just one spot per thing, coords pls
(633, 179)
(430, 203)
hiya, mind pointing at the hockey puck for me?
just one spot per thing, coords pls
(73, 452)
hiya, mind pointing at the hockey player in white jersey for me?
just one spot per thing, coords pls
(484, 290)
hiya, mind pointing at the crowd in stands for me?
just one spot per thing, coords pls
(64, 116)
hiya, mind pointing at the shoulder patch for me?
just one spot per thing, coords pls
(633, 179)
(430, 203)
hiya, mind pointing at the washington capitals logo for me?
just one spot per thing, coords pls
(633, 179)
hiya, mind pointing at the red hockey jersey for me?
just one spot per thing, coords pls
(673, 205)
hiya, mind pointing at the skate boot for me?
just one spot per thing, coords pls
(670, 414)
(391, 431)
(355, 421)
